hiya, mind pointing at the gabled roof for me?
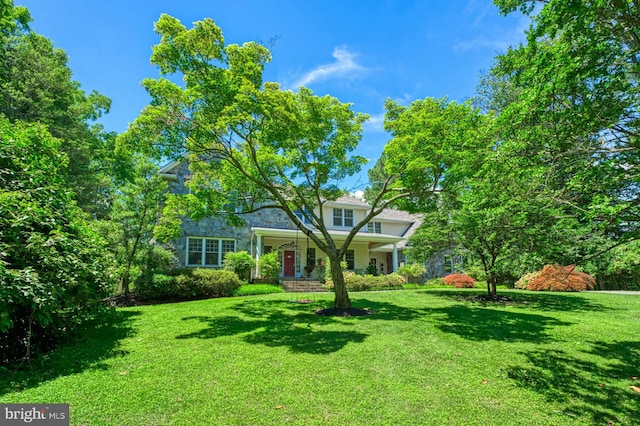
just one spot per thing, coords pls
(168, 168)
(349, 201)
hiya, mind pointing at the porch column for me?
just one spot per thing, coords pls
(258, 253)
(394, 267)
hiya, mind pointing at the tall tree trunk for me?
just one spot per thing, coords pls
(494, 284)
(125, 279)
(341, 300)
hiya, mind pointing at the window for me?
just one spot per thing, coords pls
(303, 215)
(343, 217)
(448, 264)
(194, 256)
(208, 251)
(350, 258)
(311, 256)
(374, 227)
(337, 217)
(348, 218)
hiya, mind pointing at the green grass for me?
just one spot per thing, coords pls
(255, 289)
(425, 357)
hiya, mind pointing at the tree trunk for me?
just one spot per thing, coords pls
(341, 300)
(492, 284)
(124, 282)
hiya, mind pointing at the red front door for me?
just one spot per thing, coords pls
(289, 263)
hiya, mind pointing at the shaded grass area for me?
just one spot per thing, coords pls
(435, 356)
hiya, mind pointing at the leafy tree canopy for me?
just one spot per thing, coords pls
(36, 85)
(250, 145)
(578, 105)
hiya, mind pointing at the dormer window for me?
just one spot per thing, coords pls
(374, 227)
(343, 218)
(303, 215)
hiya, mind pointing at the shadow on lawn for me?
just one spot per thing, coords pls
(94, 343)
(277, 323)
(540, 301)
(293, 325)
(595, 383)
(482, 323)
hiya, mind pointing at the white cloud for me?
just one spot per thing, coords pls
(359, 194)
(344, 66)
(375, 122)
(498, 43)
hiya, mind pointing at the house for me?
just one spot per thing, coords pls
(378, 247)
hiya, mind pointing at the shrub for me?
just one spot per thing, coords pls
(270, 266)
(369, 282)
(185, 284)
(413, 273)
(239, 262)
(460, 281)
(54, 267)
(562, 278)
(524, 280)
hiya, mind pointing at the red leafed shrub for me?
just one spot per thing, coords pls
(562, 278)
(460, 281)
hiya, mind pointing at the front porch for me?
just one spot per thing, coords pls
(301, 258)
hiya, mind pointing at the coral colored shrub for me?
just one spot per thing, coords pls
(562, 278)
(460, 281)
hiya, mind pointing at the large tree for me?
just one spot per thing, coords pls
(250, 144)
(134, 213)
(36, 85)
(577, 107)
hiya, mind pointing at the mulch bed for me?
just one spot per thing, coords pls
(352, 312)
(494, 299)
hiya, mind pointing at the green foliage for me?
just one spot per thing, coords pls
(186, 284)
(618, 268)
(435, 283)
(460, 281)
(52, 264)
(270, 266)
(356, 282)
(255, 289)
(134, 213)
(240, 262)
(430, 138)
(561, 278)
(263, 147)
(577, 108)
(36, 85)
(413, 272)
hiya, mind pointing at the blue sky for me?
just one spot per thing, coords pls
(360, 51)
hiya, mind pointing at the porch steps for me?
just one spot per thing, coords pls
(302, 285)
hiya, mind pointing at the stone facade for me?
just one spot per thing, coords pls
(381, 246)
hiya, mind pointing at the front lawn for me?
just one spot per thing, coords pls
(424, 357)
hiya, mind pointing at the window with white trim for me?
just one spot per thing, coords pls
(374, 227)
(205, 251)
(348, 218)
(350, 258)
(343, 217)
